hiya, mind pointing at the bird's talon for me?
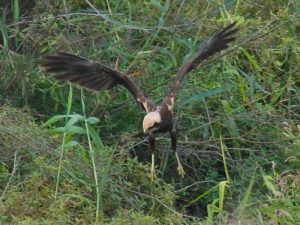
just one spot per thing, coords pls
(152, 174)
(179, 167)
(180, 170)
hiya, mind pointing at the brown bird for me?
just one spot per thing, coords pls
(95, 76)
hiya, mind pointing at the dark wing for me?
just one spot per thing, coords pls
(90, 74)
(218, 42)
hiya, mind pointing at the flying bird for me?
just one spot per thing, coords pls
(95, 76)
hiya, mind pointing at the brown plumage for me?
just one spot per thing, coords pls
(95, 76)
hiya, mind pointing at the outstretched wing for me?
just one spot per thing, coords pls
(91, 75)
(218, 42)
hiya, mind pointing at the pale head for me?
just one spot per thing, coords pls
(150, 120)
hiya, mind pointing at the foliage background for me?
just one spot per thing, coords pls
(74, 157)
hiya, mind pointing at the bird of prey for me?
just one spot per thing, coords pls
(95, 76)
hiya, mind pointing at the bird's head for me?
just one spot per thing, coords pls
(150, 122)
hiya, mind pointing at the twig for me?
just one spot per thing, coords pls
(194, 184)
(10, 51)
(160, 202)
(209, 119)
(16, 162)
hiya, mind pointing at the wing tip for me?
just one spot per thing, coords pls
(228, 30)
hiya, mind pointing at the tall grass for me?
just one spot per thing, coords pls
(249, 98)
(67, 127)
(68, 130)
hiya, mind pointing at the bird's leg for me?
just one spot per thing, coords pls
(152, 149)
(174, 144)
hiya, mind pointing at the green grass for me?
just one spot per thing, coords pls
(76, 157)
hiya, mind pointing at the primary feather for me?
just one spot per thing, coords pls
(218, 42)
(90, 74)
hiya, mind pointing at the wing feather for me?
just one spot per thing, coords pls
(92, 75)
(218, 42)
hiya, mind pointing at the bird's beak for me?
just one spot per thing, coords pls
(145, 130)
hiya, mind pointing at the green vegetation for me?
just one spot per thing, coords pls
(71, 156)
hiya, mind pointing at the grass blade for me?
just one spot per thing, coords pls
(99, 204)
(69, 104)
(246, 197)
(224, 159)
(222, 186)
